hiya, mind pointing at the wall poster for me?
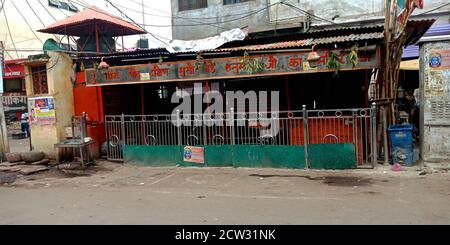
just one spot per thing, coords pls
(194, 154)
(436, 83)
(42, 111)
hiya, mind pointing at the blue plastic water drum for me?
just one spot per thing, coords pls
(402, 147)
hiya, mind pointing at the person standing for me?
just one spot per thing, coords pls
(25, 124)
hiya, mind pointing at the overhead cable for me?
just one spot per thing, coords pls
(153, 35)
(26, 21)
(9, 29)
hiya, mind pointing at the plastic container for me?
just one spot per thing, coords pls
(402, 147)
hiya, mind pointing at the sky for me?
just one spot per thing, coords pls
(26, 15)
(25, 42)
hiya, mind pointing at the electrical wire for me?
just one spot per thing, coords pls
(165, 16)
(47, 10)
(221, 22)
(3, 4)
(34, 12)
(37, 16)
(60, 10)
(432, 10)
(46, 70)
(10, 56)
(89, 7)
(171, 15)
(186, 25)
(307, 13)
(154, 36)
(26, 21)
(9, 29)
(63, 51)
(126, 16)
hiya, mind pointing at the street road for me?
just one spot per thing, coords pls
(116, 194)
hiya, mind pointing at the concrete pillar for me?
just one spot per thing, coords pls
(435, 103)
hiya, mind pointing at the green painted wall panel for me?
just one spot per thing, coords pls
(247, 156)
(336, 156)
(284, 157)
(339, 156)
(256, 156)
(155, 156)
(219, 156)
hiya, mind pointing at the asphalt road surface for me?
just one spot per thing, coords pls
(115, 194)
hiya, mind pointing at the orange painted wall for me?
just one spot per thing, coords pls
(319, 129)
(90, 100)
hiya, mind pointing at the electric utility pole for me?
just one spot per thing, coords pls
(4, 144)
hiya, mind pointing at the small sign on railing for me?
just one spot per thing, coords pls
(194, 154)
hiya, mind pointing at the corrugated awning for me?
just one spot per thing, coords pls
(373, 33)
(416, 29)
(305, 43)
(435, 31)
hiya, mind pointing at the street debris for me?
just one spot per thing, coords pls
(28, 170)
(10, 168)
(68, 166)
(74, 173)
(10, 164)
(7, 178)
(423, 173)
(21, 168)
(34, 156)
(397, 167)
(13, 157)
(42, 162)
(23, 158)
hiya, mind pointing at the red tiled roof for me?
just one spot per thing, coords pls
(84, 22)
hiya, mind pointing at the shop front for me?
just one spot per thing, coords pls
(14, 96)
(305, 126)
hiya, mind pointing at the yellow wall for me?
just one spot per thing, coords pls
(59, 70)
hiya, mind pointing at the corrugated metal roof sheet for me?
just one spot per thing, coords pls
(438, 30)
(304, 43)
(279, 45)
(83, 23)
(342, 28)
(416, 29)
(268, 46)
(129, 54)
(298, 34)
(413, 51)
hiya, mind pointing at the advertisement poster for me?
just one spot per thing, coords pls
(435, 84)
(194, 154)
(145, 76)
(439, 59)
(42, 111)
